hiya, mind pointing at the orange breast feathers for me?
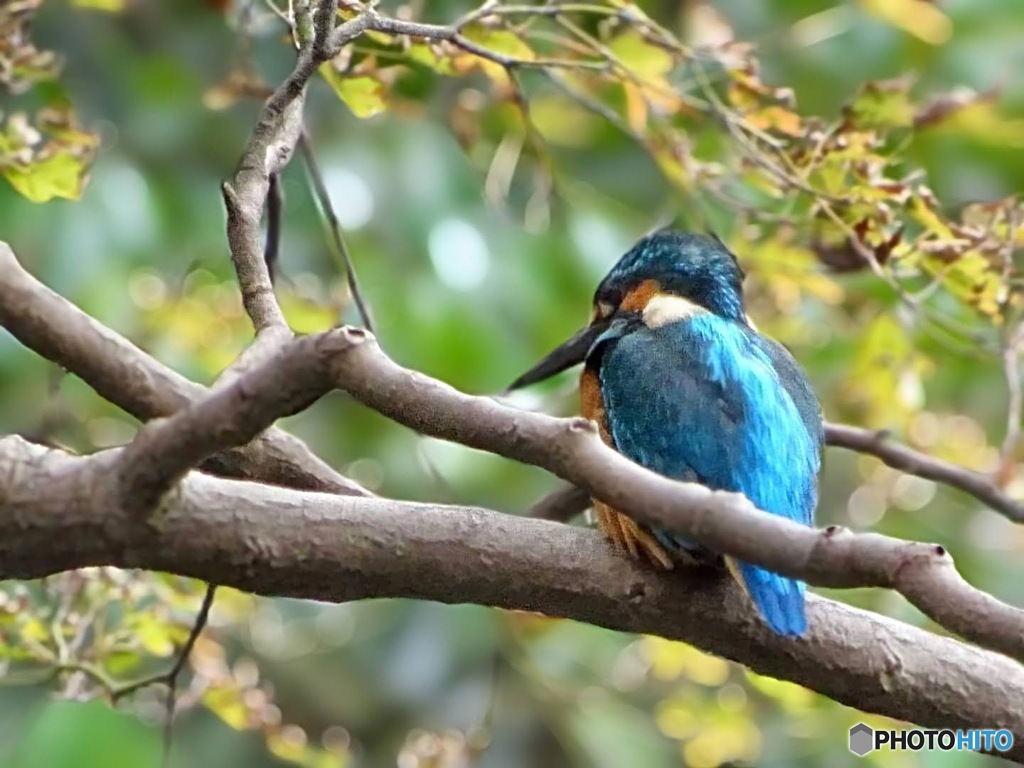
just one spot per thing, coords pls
(624, 533)
(592, 404)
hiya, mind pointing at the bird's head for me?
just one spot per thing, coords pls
(666, 277)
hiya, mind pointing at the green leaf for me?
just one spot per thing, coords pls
(363, 95)
(882, 104)
(61, 175)
(428, 56)
(91, 735)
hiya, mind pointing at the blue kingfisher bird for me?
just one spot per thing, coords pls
(679, 381)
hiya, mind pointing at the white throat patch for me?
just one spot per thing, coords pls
(664, 309)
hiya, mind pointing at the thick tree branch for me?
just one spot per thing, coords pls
(561, 505)
(164, 451)
(725, 522)
(55, 515)
(128, 377)
(564, 503)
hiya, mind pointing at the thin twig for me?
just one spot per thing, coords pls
(453, 34)
(120, 691)
(172, 676)
(901, 457)
(340, 251)
(169, 678)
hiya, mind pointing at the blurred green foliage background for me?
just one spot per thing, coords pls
(470, 280)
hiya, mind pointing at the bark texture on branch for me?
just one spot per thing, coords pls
(724, 522)
(131, 379)
(144, 506)
(59, 512)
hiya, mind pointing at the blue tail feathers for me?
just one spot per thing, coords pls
(779, 599)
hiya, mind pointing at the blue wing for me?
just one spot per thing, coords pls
(710, 400)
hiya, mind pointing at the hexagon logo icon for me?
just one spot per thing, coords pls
(862, 739)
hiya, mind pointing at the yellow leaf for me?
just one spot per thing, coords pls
(61, 175)
(922, 210)
(792, 697)
(777, 118)
(306, 316)
(153, 636)
(35, 630)
(669, 160)
(640, 56)
(226, 702)
(671, 659)
(112, 6)
(984, 122)
(636, 107)
(677, 720)
(501, 41)
(290, 744)
(363, 95)
(923, 19)
(885, 380)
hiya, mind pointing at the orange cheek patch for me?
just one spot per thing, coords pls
(636, 300)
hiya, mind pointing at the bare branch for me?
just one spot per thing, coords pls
(877, 443)
(234, 414)
(267, 152)
(564, 503)
(126, 376)
(50, 324)
(371, 20)
(725, 522)
(560, 505)
(275, 541)
(172, 676)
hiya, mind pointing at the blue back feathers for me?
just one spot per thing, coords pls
(710, 400)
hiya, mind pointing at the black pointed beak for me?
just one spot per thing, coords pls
(570, 353)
